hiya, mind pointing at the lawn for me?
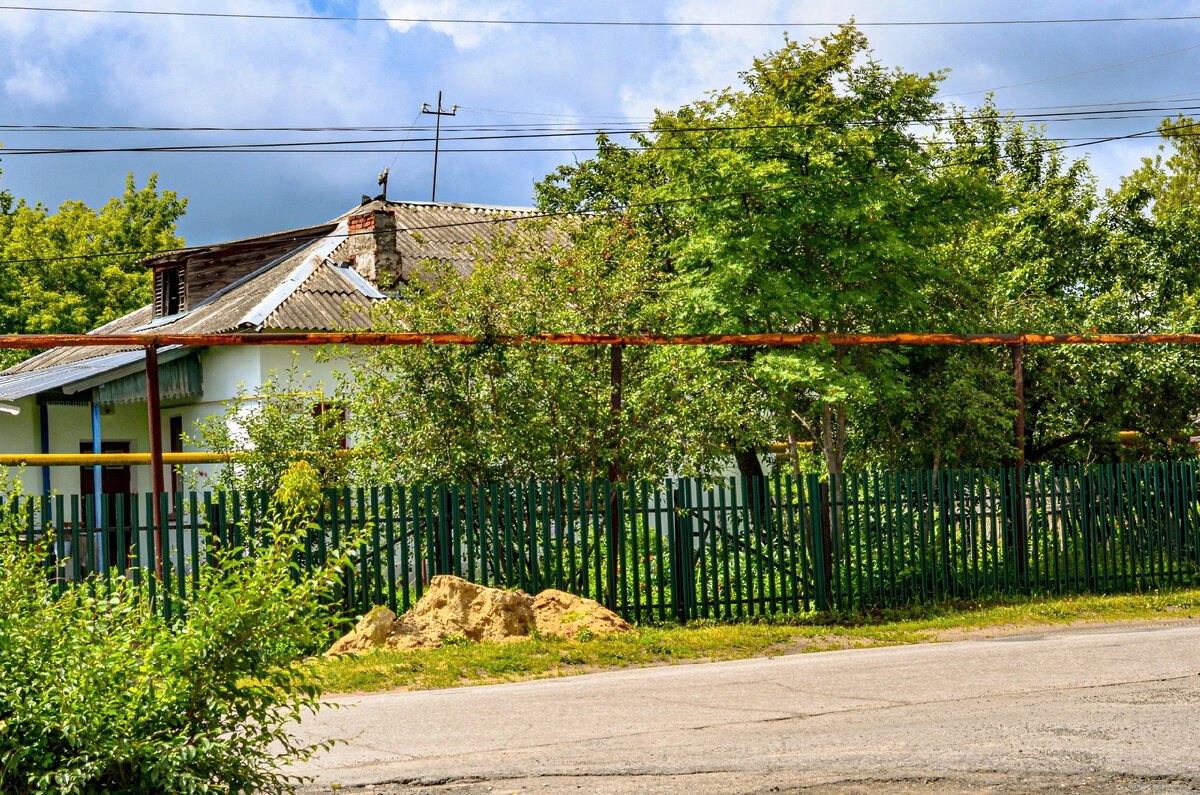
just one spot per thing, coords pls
(465, 663)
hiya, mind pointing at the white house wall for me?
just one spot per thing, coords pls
(225, 370)
(322, 374)
(248, 367)
(20, 434)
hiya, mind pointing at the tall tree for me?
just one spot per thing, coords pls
(1047, 254)
(805, 201)
(74, 269)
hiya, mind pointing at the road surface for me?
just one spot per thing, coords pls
(1112, 710)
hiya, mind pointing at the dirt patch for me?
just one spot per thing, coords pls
(372, 630)
(454, 608)
(807, 644)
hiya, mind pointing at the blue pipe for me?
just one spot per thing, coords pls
(44, 417)
(97, 476)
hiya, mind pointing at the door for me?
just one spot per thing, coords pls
(114, 480)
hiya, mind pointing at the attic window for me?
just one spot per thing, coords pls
(168, 291)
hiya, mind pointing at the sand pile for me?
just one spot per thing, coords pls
(456, 608)
(565, 615)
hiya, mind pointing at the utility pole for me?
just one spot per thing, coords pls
(437, 138)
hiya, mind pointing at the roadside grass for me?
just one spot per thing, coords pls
(460, 662)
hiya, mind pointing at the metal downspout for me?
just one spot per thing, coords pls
(44, 418)
(97, 470)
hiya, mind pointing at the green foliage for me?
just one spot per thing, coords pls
(522, 412)
(805, 201)
(299, 496)
(98, 693)
(808, 200)
(286, 418)
(50, 278)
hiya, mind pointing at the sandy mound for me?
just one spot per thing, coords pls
(371, 630)
(564, 614)
(456, 608)
(453, 607)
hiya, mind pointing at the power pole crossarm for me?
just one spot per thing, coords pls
(437, 138)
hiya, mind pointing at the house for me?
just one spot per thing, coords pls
(316, 278)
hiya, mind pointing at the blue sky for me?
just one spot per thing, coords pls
(120, 70)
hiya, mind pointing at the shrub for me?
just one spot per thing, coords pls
(99, 693)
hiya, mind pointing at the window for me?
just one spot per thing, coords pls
(168, 291)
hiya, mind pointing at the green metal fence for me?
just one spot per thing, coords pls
(685, 548)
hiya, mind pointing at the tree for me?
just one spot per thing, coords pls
(455, 414)
(286, 419)
(72, 270)
(806, 201)
(1047, 254)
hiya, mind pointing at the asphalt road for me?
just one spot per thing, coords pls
(1102, 711)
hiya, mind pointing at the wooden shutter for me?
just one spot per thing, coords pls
(159, 297)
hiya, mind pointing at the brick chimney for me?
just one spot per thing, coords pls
(372, 244)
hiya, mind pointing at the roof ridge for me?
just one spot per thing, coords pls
(313, 230)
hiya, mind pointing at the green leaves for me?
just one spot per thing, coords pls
(286, 418)
(504, 412)
(99, 694)
(51, 279)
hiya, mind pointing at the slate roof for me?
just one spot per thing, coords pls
(301, 290)
(445, 231)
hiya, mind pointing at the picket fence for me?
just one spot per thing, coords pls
(682, 548)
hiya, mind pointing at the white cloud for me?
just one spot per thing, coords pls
(465, 37)
(175, 70)
(62, 68)
(704, 59)
(35, 85)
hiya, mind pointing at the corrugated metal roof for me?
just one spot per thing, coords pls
(301, 290)
(326, 297)
(446, 232)
(72, 376)
(57, 356)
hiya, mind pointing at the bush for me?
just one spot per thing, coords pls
(99, 693)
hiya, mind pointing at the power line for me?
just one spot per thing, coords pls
(1049, 113)
(528, 216)
(596, 22)
(1075, 74)
(358, 144)
(1053, 113)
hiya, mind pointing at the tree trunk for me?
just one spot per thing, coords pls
(748, 463)
(794, 455)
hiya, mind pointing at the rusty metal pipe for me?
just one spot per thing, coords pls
(111, 459)
(40, 341)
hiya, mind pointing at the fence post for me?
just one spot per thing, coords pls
(679, 556)
(1087, 537)
(823, 543)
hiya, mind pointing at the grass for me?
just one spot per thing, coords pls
(462, 662)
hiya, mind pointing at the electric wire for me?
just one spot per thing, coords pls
(1068, 75)
(596, 22)
(528, 216)
(359, 144)
(1120, 110)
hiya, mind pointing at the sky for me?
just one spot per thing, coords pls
(125, 70)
